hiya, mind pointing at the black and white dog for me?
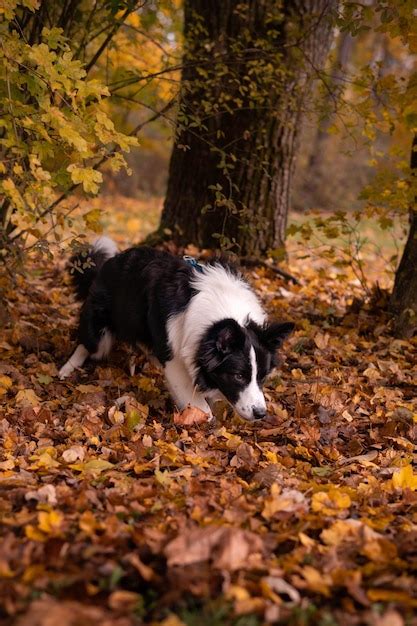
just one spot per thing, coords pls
(203, 323)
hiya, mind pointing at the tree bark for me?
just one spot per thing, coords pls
(404, 295)
(247, 69)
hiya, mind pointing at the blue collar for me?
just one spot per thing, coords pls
(193, 262)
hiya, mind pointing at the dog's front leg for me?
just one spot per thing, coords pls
(76, 360)
(183, 391)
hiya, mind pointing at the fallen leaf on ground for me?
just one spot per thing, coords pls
(191, 415)
(227, 548)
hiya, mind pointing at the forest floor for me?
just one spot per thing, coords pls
(112, 514)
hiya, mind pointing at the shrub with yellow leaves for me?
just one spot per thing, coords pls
(54, 132)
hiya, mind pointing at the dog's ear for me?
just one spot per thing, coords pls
(229, 337)
(273, 335)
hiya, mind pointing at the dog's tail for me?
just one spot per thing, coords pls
(85, 265)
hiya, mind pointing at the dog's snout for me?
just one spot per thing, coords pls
(259, 412)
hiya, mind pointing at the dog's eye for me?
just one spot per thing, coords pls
(238, 377)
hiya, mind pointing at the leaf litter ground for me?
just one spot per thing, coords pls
(113, 513)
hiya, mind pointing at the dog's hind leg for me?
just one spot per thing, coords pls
(104, 345)
(81, 354)
(95, 339)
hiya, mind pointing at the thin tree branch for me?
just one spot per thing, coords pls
(110, 36)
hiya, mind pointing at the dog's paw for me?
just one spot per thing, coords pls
(66, 370)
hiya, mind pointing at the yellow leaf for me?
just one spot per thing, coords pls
(69, 134)
(163, 478)
(316, 581)
(235, 592)
(95, 466)
(44, 460)
(405, 478)
(87, 177)
(392, 595)
(342, 531)
(146, 384)
(169, 451)
(331, 502)
(271, 456)
(50, 522)
(5, 382)
(233, 441)
(33, 533)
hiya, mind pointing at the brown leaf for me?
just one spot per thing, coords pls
(191, 415)
(228, 548)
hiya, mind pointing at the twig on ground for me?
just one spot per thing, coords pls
(251, 262)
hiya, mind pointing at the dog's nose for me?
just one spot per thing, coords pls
(259, 412)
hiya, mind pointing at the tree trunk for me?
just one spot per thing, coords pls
(404, 295)
(247, 69)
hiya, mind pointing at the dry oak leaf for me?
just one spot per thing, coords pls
(191, 415)
(228, 548)
(332, 502)
(27, 397)
(50, 612)
(246, 456)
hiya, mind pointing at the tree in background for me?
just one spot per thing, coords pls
(248, 67)
(393, 192)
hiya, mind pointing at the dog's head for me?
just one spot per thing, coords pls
(236, 361)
